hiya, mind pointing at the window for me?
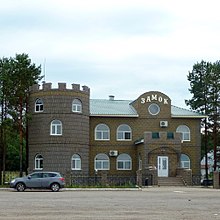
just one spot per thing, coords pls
(185, 132)
(39, 106)
(124, 162)
(185, 161)
(56, 127)
(124, 132)
(101, 162)
(154, 109)
(155, 135)
(77, 106)
(36, 175)
(38, 162)
(53, 175)
(46, 175)
(170, 135)
(102, 132)
(76, 162)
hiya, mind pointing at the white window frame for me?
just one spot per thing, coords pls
(152, 107)
(38, 162)
(77, 106)
(76, 162)
(185, 161)
(39, 105)
(124, 162)
(55, 127)
(100, 164)
(102, 134)
(121, 133)
(185, 132)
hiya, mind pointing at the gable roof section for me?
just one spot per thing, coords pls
(123, 108)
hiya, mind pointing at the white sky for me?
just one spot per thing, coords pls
(116, 47)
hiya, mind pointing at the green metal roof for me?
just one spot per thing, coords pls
(104, 107)
(123, 108)
(177, 112)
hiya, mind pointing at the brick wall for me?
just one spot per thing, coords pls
(79, 132)
(57, 151)
(148, 123)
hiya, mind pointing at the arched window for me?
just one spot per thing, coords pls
(184, 130)
(38, 161)
(185, 161)
(39, 105)
(123, 132)
(124, 162)
(56, 127)
(102, 132)
(76, 162)
(101, 162)
(77, 106)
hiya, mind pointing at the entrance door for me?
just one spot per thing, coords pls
(162, 166)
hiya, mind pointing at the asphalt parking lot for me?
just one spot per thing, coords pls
(148, 203)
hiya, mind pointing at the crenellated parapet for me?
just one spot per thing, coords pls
(61, 87)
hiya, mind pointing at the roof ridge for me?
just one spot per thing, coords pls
(179, 107)
(112, 100)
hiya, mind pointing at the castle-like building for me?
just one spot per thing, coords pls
(71, 133)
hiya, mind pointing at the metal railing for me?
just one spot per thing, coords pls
(101, 181)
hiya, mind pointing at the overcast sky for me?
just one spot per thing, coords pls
(116, 47)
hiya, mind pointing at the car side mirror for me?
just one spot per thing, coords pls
(29, 177)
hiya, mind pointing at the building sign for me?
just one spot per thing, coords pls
(154, 97)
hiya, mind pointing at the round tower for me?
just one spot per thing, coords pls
(58, 128)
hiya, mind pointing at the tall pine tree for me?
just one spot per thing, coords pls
(199, 81)
(17, 74)
(204, 87)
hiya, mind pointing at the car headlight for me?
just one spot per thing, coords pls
(13, 181)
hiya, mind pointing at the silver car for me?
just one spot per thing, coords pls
(39, 180)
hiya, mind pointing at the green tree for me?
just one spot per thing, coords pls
(204, 87)
(24, 75)
(12, 140)
(199, 88)
(5, 85)
(17, 75)
(214, 97)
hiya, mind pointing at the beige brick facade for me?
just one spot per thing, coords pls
(78, 135)
(142, 128)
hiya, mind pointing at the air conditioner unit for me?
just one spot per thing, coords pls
(163, 124)
(113, 153)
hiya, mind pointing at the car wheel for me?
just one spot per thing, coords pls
(20, 187)
(55, 187)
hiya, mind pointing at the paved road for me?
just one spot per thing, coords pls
(149, 203)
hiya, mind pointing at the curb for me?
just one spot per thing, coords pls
(80, 189)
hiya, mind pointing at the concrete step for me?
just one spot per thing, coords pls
(170, 181)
